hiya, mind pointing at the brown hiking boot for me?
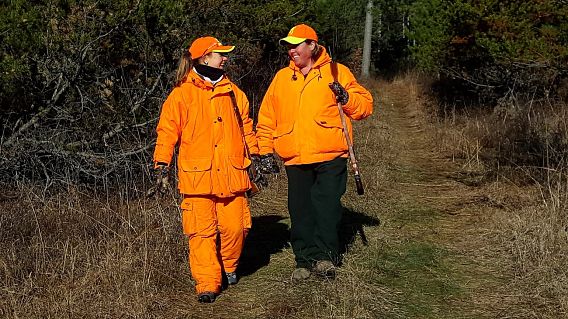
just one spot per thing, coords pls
(300, 274)
(325, 268)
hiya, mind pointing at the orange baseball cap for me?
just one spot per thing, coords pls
(299, 34)
(204, 45)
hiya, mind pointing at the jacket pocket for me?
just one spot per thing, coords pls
(329, 121)
(195, 176)
(284, 141)
(329, 134)
(195, 164)
(237, 172)
(187, 218)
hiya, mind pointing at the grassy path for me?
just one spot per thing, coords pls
(437, 245)
(419, 244)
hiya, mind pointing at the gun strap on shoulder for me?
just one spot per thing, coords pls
(334, 72)
(240, 121)
(251, 171)
(236, 109)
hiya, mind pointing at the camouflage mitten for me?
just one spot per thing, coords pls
(341, 95)
(162, 180)
(255, 172)
(268, 165)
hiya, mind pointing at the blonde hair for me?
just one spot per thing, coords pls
(184, 66)
(316, 51)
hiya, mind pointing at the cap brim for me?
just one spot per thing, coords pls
(224, 49)
(292, 40)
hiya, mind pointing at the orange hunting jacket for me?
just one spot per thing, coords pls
(299, 118)
(199, 117)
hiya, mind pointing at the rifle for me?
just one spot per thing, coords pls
(357, 175)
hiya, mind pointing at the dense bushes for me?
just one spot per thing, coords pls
(83, 81)
(497, 48)
(509, 59)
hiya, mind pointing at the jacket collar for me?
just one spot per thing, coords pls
(195, 79)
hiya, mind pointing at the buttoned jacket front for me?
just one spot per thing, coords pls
(299, 118)
(199, 117)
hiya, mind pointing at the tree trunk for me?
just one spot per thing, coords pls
(365, 65)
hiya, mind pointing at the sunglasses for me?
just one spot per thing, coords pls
(291, 46)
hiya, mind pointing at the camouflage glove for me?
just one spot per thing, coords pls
(162, 180)
(341, 95)
(268, 165)
(255, 173)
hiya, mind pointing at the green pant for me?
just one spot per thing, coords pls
(314, 203)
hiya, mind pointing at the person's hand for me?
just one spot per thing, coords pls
(268, 165)
(256, 174)
(341, 95)
(260, 180)
(161, 175)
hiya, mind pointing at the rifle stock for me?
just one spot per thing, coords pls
(254, 189)
(359, 184)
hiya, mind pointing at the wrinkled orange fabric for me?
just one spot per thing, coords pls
(202, 218)
(299, 119)
(200, 119)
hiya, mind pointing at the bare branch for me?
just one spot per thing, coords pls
(456, 74)
(148, 92)
(117, 129)
(292, 15)
(27, 125)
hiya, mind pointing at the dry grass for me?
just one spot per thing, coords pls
(83, 254)
(518, 153)
(77, 255)
(440, 233)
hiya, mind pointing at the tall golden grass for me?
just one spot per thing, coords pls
(112, 253)
(519, 149)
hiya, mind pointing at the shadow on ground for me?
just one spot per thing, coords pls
(351, 227)
(268, 235)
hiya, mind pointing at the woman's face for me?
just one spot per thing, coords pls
(215, 60)
(301, 53)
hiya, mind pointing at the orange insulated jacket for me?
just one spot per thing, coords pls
(200, 118)
(299, 118)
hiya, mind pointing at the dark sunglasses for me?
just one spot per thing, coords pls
(291, 46)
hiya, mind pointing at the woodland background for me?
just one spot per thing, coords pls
(465, 160)
(82, 82)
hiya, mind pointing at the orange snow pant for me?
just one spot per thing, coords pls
(217, 228)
